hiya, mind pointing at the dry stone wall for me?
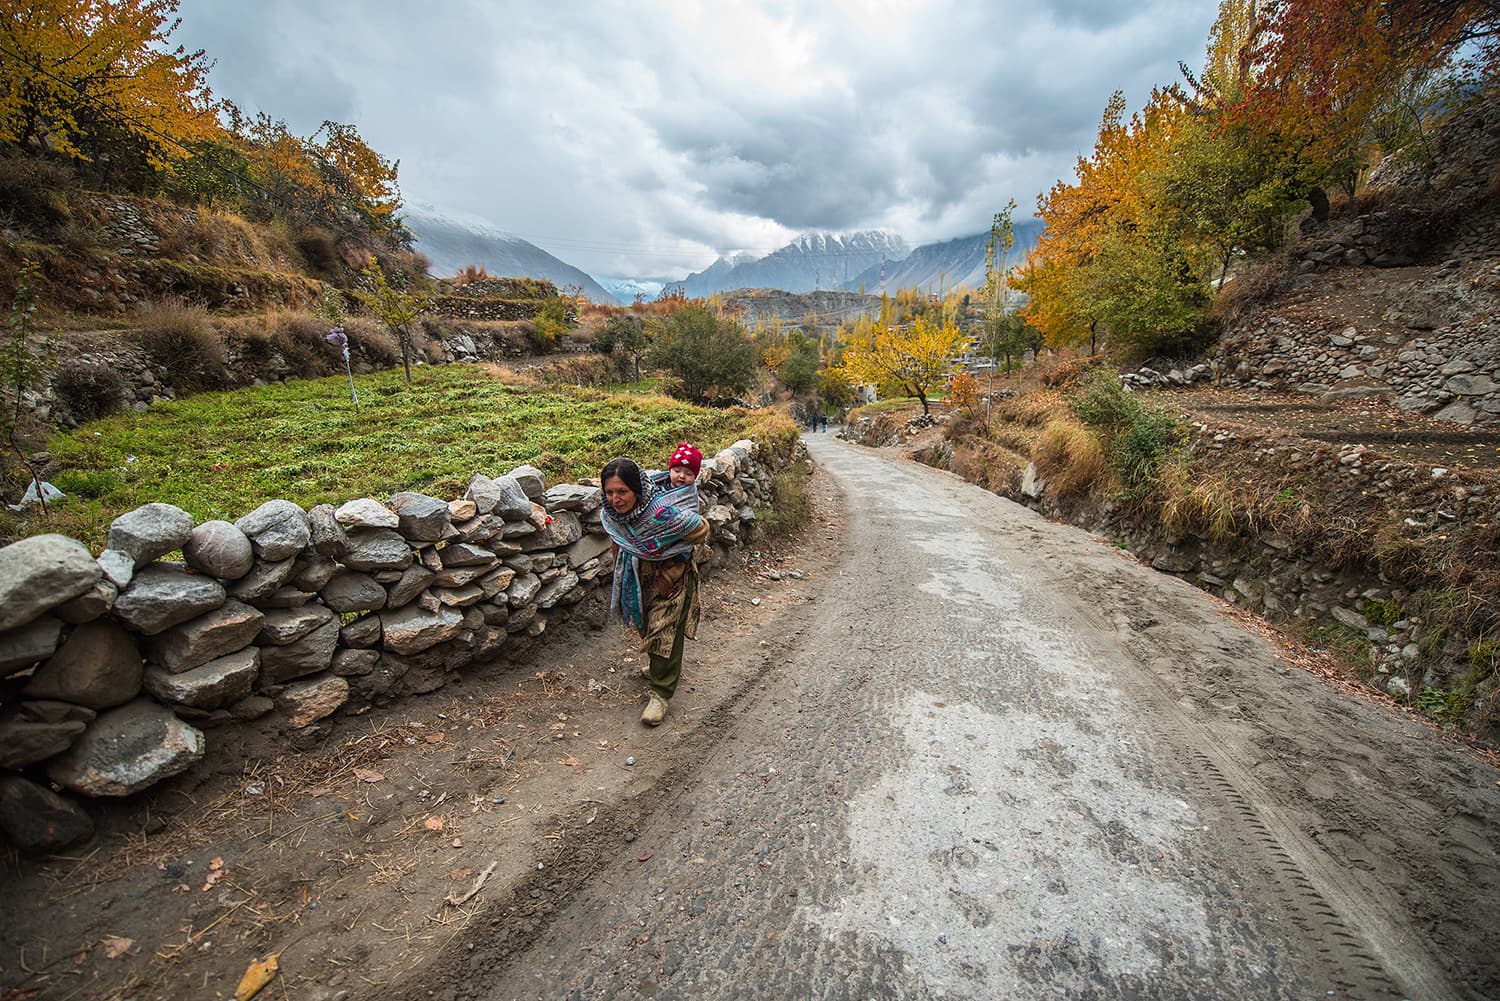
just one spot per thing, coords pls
(117, 668)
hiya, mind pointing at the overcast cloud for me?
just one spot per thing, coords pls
(646, 138)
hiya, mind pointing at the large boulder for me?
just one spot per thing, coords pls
(530, 480)
(29, 643)
(308, 701)
(411, 629)
(214, 685)
(277, 529)
(38, 820)
(352, 591)
(308, 655)
(563, 530)
(220, 550)
(366, 512)
(161, 596)
(40, 573)
(127, 749)
(263, 580)
(379, 549)
(287, 625)
(150, 531)
(98, 666)
(421, 518)
(230, 627)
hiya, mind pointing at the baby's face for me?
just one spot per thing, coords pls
(680, 476)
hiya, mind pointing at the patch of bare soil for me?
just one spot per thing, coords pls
(1380, 425)
(357, 862)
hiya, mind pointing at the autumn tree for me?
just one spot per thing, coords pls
(82, 78)
(397, 308)
(917, 356)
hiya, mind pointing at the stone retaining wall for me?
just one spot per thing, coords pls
(114, 666)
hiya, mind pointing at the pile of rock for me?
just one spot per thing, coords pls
(1146, 377)
(114, 665)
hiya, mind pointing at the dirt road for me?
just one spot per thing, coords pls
(1002, 760)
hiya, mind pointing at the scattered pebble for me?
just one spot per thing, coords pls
(755, 601)
(630, 761)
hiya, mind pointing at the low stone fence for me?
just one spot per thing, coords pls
(114, 666)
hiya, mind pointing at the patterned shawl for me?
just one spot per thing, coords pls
(653, 530)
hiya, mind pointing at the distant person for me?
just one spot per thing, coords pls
(824, 420)
(655, 587)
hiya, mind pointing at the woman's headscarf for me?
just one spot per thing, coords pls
(655, 529)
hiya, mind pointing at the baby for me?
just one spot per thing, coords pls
(682, 470)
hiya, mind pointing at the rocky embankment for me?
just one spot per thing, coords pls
(115, 665)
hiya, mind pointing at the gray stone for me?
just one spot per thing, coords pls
(1350, 618)
(412, 583)
(1459, 412)
(462, 510)
(355, 663)
(150, 531)
(25, 645)
(557, 590)
(263, 581)
(277, 529)
(484, 493)
(481, 529)
(461, 554)
(1396, 685)
(529, 479)
(230, 627)
(517, 529)
(411, 630)
(563, 530)
(99, 666)
(127, 749)
(325, 533)
(117, 567)
(308, 655)
(352, 591)
(312, 571)
(308, 701)
(161, 596)
(459, 597)
(41, 572)
(286, 596)
(287, 625)
(219, 683)
(573, 497)
(89, 605)
(25, 740)
(496, 581)
(251, 707)
(523, 590)
(421, 518)
(362, 632)
(378, 549)
(37, 820)
(589, 547)
(366, 512)
(459, 576)
(50, 711)
(220, 550)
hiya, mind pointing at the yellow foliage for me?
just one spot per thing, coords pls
(68, 67)
(1070, 458)
(963, 390)
(917, 355)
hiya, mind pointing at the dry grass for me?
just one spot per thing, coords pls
(1192, 503)
(1033, 409)
(992, 466)
(180, 337)
(1070, 458)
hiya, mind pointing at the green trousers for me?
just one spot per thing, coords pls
(666, 670)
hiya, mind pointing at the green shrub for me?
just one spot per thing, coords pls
(791, 501)
(1138, 439)
(550, 324)
(88, 390)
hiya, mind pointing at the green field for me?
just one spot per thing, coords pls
(219, 455)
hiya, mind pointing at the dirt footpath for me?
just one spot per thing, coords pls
(361, 860)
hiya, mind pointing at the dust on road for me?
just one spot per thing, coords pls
(1003, 760)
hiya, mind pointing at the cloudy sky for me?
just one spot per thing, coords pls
(645, 138)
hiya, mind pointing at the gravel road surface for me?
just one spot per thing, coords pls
(1000, 759)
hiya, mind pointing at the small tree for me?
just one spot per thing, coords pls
(917, 356)
(398, 309)
(22, 366)
(550, 323)
(705, 353)
(624, 337)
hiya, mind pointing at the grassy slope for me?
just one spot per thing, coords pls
(218, 455)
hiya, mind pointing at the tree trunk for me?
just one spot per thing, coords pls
(405, 338)
(923, 397)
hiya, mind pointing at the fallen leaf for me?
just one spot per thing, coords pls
(215, 863)
(434, 823)
(570, 761)
(646, 856)
(433, 738)
(257, 975)
(116, 946)
(368, 775)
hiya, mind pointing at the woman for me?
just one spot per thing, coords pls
(655, 585)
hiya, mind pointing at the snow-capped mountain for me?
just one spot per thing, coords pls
(936, 267)
(626, 289)
(811, 261)
(453, 243)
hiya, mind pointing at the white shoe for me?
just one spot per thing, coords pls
(656, 710)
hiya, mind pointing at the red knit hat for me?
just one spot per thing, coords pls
(686, 455)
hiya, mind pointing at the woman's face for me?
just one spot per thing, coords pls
(620, 498)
